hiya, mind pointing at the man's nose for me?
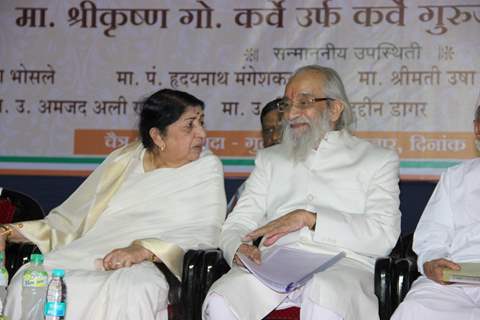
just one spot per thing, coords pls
(276, 135)
(293, 113)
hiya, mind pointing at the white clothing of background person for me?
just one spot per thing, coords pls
(449, 228)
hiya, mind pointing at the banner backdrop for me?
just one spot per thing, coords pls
(73, 74)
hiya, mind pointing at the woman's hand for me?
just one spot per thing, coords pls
(126, 257)
(3, 242)
(5, 231)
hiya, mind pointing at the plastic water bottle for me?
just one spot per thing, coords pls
(56, 301)
(35, 281)
(3, 281)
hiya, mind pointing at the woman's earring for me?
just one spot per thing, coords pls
(162, 148)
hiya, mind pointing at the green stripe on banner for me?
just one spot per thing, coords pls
(226, 162)
(238, 162)
(428, 164)
(51, 159)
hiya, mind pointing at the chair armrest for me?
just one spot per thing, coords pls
(173, 284)
(215, 266)
(201, 268)
(383, 286)
(405, 272)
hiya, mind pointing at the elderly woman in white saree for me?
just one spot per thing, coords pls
(146, 202)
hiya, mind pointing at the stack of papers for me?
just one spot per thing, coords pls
(284, 269)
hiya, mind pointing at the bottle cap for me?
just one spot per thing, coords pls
(36, 258)
(58, 272)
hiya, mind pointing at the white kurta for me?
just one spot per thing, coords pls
(184, 206)
(449, 228)
(353, 187)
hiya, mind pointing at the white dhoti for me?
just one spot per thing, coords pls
(344, 291)
(216, 308)
(430, 300)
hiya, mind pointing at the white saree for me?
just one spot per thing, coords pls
(166, 210)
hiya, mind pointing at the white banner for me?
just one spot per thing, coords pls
(72, 73)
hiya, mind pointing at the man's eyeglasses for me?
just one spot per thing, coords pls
(303, 102)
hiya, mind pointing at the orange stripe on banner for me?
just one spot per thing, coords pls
(222, 143)
(37, 172)
(425, 145)
(410, 145)
(101, 142)
(411, 177)
(236, 174)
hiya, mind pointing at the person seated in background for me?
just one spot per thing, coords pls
(271, 122)
(149, 201)
(326, 191)
(448, 233)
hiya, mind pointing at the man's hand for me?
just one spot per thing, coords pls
(277, 228)
(125, 257)
(249, 251)
(434, 269)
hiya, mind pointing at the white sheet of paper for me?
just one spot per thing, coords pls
(284, 269)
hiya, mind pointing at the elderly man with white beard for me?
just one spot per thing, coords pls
(320, 190)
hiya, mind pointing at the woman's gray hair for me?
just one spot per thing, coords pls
(333, 88)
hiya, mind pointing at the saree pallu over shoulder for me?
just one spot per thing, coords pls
(79, 212)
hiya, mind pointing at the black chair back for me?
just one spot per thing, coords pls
(24, 208)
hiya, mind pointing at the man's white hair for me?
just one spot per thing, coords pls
(333, 88)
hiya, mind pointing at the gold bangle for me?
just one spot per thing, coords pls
(152, 257)
(7, 230)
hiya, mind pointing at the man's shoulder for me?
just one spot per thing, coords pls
(276, 151)
(369, 149)
(464, 167)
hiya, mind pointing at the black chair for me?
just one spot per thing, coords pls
(405, 272)
(16, 207)
(393, 277)
(21, 207)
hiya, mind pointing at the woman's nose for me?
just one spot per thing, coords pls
(201, 132)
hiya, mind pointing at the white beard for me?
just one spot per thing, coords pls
(300, 145)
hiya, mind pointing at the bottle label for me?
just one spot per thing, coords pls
(55, 309)
(34, 278)
(3, 277)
